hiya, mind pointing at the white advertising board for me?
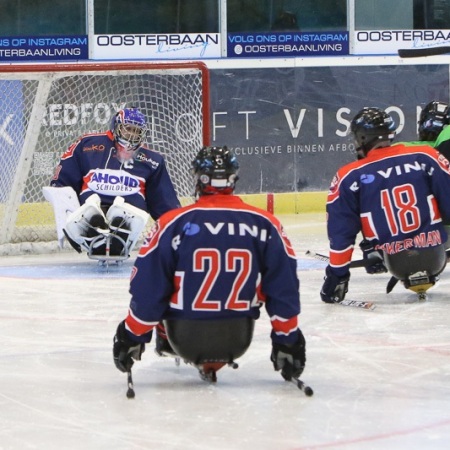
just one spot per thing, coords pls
(387, 42)
(155, 46)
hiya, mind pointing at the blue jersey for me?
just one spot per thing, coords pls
(90, 165)
(219, 258)
(397, 197)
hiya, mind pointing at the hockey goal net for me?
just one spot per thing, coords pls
(45, 108)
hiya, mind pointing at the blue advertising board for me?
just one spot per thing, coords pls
(287, 44)
(43, 48)
(289, 126)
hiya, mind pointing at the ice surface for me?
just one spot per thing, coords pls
(381, 378)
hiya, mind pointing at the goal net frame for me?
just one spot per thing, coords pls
(44, 108)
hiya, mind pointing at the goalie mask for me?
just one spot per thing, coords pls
(372, 128)
(215, 170)
(129, 128)
(432, 120)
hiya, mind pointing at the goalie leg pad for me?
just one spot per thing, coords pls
(126, 221)
(64, 201)
(87, 224)
(119, 236)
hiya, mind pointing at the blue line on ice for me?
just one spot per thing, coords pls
(90, 269)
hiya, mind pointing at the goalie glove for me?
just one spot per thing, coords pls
(289, 358)
(126, 351)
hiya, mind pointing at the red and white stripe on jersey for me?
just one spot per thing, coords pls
(443, 162)
(176, 299)
(69, 152)
(333, 192)
(386, 153)
(260, 297)
(230, 202)
(137, 326)
(282, 326)
(435, 214)
(340, 258)
(158, 228)
(368, 227)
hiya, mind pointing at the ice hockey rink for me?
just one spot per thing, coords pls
(381, 378)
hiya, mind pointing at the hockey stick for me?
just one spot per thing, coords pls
(357, 263)
(353, 264)
(302, 386)
(130, 391)
(425, 51)
(357, 304)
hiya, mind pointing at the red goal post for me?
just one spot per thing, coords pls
(44, 108)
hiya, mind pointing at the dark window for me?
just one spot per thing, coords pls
(403, 14)
(64, 17)
(431, 14)
(43, 17)
(279, 15)
(155, 16)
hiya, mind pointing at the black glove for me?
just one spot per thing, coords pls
(334, 288)
(290, 359)
(373, 258)
(125, 351)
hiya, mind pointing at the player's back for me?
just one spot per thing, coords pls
(393, 192)
(221, 247)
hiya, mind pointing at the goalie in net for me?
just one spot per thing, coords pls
(107, 185)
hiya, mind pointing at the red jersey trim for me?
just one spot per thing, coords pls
(283, 326)
(218, 201)
(379, 155)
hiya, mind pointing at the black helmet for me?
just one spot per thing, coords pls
(372, 128)
(215, 170)
(432, 120)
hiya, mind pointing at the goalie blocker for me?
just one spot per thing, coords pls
(104, 237)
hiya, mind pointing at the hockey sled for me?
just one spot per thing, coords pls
(209, 345)
(102, 248)
(417, 269)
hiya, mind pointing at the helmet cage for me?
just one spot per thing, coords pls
(129, 128)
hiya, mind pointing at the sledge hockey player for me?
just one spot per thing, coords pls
(205, 270)
(432, 121)
(439, 116)
(397, 197)
(117, 181)
(433, 131)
